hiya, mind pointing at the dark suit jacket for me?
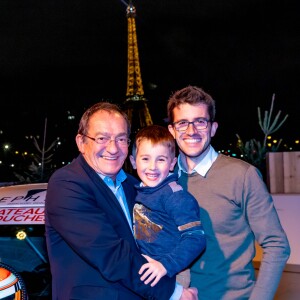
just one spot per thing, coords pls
(92, 252)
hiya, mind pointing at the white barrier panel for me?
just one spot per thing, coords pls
(23, 204)
(288, 209)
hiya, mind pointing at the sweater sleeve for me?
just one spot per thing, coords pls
(265, 224)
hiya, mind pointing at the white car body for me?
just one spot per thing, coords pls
(22, 204)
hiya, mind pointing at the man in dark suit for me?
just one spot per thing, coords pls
(88, 212)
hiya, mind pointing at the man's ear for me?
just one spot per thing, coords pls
(173, 163)
(172, 131)
(214, 128)
(132, 160)
(80, 143)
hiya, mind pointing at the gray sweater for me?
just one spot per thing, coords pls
(236, 209)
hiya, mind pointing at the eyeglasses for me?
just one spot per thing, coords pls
(121, 140)
(183, 125)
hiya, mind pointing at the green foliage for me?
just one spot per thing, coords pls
(255, 151)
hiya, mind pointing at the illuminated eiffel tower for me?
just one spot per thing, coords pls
(135, 104)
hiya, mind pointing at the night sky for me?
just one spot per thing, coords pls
(59, 57)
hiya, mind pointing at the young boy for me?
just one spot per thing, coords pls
(167, 223)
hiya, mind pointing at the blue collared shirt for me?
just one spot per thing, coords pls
(117, 189)
(204, 165)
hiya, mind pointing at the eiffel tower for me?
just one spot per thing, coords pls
(135, 104)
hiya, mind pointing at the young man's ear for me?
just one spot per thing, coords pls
(214, 127)
(172, 131)
(132, 160)
(173, 163)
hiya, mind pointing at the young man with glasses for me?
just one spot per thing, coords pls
(88, 217)
(235, 206)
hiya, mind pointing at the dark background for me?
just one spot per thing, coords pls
(59, 57)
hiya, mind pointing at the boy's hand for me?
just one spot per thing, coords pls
(153, 271)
